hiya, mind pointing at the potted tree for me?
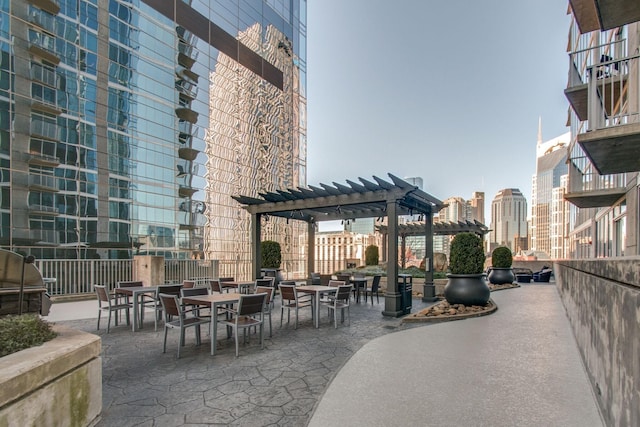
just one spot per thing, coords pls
(271, 259)
(466, 284)
(501, 271)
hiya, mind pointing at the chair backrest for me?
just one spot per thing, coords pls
(266, 290)
(265, 281)
(169, 289)
(170, 305)
(287, 282)
(225, 279)
(189, 292)
(287, 292)
(343, 278)
(214, 285)
(251, 304)
(360, 275)
(103, 295)
(344, 292)
(336, 283)
(130, 284)
(188, 284)
(375, 284)
(315, 279)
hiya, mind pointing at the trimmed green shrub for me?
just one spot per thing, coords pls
(21, 332)
(371, 255)
(466, 254)
(271, 254)
(501, 257)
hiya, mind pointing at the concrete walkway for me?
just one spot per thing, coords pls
(517, 367)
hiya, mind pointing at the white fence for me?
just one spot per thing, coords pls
(73, 277)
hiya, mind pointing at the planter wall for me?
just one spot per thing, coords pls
(58, 383)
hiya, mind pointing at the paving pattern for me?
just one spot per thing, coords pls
(278, 386)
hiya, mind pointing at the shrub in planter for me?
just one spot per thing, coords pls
(501, 272)
(501, 257)
(371, 255)
(271, 254)
(466, 283)
(21, 332)
(466, 255)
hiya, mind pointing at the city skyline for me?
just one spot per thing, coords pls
(410, 86)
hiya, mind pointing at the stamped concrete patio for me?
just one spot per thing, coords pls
(527, 371)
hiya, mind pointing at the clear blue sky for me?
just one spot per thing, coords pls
(450, 91)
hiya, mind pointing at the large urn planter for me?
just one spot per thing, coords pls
(501, 276)
(467, 289)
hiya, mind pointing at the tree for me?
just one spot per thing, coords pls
(371, 255)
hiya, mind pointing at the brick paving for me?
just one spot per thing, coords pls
(280, 385)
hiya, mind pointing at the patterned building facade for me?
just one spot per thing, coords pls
(126, 125)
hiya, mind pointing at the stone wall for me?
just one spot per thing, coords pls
(56, 384)
(602, 301)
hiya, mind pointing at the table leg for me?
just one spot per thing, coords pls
(135, 312)
(316, 302)
(214, 328)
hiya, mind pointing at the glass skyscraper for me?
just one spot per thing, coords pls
(126, 125)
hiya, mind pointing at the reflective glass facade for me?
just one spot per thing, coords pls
(125, 126)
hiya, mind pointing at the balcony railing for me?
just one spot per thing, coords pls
(44, 129)
(613, 93)
(43, 182)
(44, 75)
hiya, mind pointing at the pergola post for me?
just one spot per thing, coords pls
(403, 249)
(256, 234)
(311, 248)
(393, 299)
(429, 291)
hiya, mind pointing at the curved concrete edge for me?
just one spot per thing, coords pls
(27, 370)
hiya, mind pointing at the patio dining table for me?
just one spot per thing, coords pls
(137, 295)
(242, 286)
(214, 300)
(316, 291)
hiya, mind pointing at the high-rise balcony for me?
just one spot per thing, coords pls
(612, 137)
(51, 6)
(188, 75)
(588, 189)
(44, 129)
(187, 55)
(594, 15)
(44, 20)
(45, 183)
(186, 89)
(44, 236)
(186, 191)
(186, 113)
(43, 45)
(40, 159)
(188, 153)
(43, 210)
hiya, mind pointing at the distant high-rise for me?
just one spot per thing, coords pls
(549, 210)
(508, 218)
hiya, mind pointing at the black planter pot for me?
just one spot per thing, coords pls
(467, 289)
(273, 272)
(501, 276)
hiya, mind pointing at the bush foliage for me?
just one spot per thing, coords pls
(271, 254)
(466, 254)
(371, 255)
(21, 332)
(501, 257)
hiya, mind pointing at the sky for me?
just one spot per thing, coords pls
(450, 91)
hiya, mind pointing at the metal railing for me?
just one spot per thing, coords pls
(77, 276)
(614, 93)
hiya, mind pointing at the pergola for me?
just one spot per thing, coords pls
(365, 199)
(446, 228)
